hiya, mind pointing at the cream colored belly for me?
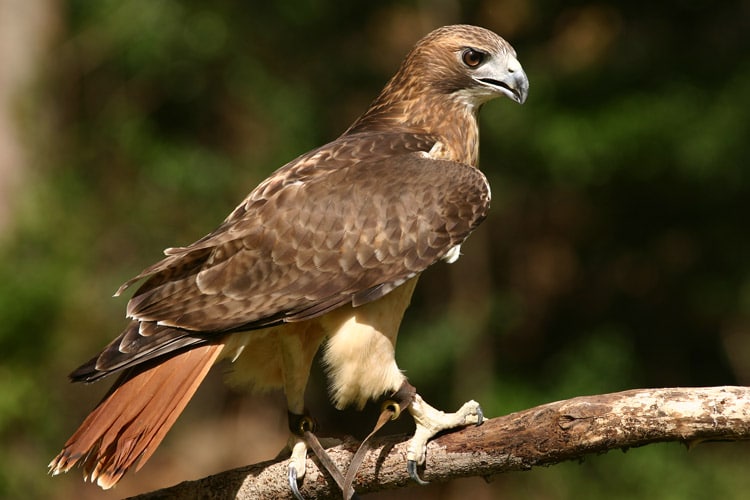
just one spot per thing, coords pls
(360, 352)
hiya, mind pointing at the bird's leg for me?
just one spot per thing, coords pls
(302, 438)
(296, 357)
(297, 349)
(299, 424)
(390, 410)
(431, 421)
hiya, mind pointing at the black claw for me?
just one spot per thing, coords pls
(480, 415)
(411, 468)
(293, 484)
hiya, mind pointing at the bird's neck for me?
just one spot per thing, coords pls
(451, 119)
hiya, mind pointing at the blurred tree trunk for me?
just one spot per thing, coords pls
(25, 32)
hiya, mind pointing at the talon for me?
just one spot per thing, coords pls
(429, 422)
(293, 482)
(297, 464)
(411, 468)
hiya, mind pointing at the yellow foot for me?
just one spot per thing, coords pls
(297, 464)
(431, 421)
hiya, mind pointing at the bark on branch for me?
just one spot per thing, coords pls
(544, 435)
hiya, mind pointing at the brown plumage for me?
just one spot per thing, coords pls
(315, 252)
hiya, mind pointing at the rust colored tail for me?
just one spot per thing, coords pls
(130, 422)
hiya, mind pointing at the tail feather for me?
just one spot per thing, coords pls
(130, 422)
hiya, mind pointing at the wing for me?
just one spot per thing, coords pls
(306, 241)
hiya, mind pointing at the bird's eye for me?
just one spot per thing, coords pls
(472, 58)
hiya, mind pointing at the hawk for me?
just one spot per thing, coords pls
(325, 252)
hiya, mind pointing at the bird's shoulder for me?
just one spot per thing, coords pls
(346, 152)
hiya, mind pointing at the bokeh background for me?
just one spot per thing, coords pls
(615, 255)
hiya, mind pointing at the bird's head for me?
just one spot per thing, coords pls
(443, 82)
(468, 62)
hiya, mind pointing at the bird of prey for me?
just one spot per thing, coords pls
(325, 252)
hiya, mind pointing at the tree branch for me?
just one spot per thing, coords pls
(544, 435)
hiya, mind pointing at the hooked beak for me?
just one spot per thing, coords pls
(505, 77)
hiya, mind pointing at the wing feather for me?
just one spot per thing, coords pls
(287, 267)
(337, 226)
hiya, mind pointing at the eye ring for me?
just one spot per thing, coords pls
(472, 58)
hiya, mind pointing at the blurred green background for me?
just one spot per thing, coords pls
(615, 255)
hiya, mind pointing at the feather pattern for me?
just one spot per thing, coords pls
(346, 232)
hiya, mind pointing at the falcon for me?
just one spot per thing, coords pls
(325, 252)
